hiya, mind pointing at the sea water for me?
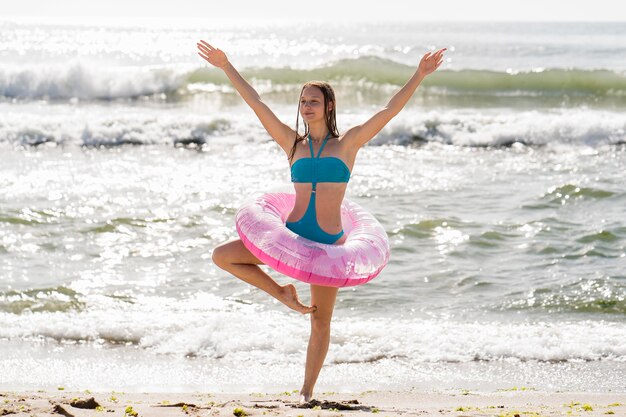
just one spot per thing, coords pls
(501, 185)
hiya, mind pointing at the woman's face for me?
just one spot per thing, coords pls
(312, 105)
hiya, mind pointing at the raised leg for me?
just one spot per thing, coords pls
(235, 258)
(324, 299)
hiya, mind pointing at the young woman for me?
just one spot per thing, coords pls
(316, 213)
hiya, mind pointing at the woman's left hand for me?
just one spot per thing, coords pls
(430, 62)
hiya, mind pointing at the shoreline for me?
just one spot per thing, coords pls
(508, 403)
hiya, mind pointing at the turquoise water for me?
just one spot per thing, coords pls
(501, 187)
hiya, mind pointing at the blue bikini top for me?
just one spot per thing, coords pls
(316, 169)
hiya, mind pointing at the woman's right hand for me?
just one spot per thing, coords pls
(212, 55)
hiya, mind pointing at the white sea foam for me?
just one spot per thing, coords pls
(498, 127)
(36, 124)
(206, 326)
(84, 80)
(101, 125)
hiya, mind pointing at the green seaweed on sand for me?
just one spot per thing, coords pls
(129, 412)
(519, 414)
(518, 389)
(239, 412)
(461, 408)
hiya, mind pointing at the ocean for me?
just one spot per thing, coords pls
(501, 185)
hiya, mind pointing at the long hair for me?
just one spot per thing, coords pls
(331, 116)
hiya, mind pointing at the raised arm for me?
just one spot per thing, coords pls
(281, 133)
(361, 134)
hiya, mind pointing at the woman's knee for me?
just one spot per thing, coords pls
(324, 298)
(233, 252)
(320, 323)
(220, 256)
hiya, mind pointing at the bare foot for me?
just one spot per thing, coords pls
(305, 398)
(289, 297)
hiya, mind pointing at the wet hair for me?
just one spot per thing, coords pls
(331, 116)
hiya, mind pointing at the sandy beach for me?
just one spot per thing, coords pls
(509, 403)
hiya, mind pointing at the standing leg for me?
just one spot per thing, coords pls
(235, 258)
(324, 299)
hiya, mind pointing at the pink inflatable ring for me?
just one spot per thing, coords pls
(261, 227)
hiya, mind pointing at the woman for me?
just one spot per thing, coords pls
(316, 213)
